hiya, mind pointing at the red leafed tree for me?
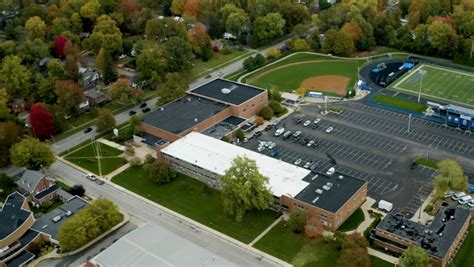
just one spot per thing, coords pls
(41, 122)
(191, 9)
(131, 8)
(314, 228)
(59, 44)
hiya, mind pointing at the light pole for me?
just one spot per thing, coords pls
(409, 122)
(422, 73)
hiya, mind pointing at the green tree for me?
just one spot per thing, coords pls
(338, 42)
(151, 64)
(60, 25)
(163, 29)
(273, 53)
(174, 86)
(31, 154)
(4, 110)
(106, 34)
(238, 24)
(10, 134)
(240, 134)
(244, 188)
(297, 221)
(109, 73)
(268, 28)
(105, 120)
(91, 9)
(35, 27)
(7, 185)
(100, 216)
(122, 91)
(134, 121)
(298, 45)
(354, 251)
(294, 14)
(276, 107)
(415, 257)
(179, 55)
(76, 23)
(69, 96)
(14, 76)
(99, 60)
(159, 172)
(55, 69)
(32, 51)
(266, 113)
(443, 38)
(451, 177)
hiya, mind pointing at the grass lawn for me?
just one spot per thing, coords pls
(298, 249)
(377, 262)
(86, 157)
(201, 67)
(289, 78)
(427, 162)
(464, 257)
(400, 103)
(195, 200)
(353, 222)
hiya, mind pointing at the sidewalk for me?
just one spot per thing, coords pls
(266, 231)
(367, 219)
(117, 171)
(111, 144)
(383, 256)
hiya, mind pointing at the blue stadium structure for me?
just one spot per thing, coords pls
(453, 115)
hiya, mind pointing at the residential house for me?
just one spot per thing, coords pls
(96, 98)
(90, 78)
(37, 186)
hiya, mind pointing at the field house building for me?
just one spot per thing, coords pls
(217, 108)
(332, 199)
(441, 239)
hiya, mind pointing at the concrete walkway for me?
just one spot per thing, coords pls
(424, 217)
(117, 171)
(266, 231)
(383, 256)
(367, 219)
(111, 144)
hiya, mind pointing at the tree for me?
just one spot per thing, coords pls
(14, 76)
(301, 91)
(105, 120)
(240, 135)
(69, 96)
(268, 27)
(197, 36)
(122, 90)
(71, 69)
(10, 134)
(163, 29)
(134, 121)
(177, 6)
(276, 107)
(174, 86)
(159, 172)
(106, 34)
(297, 221)
(55, 69)
(89, 223)
(415, 257)
(443, 38)
(178, 54)
(32, 51)
(266, 113)
(354, 251)
(31, 154)
(91, 9)
(60, 25)
(352, 29)
(4, 110)
(191, 8)
(59, 44)
(237, 24)
(7, 185)
(109, 74)
(76, 22)
(338, 42)
(451, 177)
(35, 27)
(244, 188)
(41, 122)
(273, 53)
(151, 64)
(77, 190)
(298, 45)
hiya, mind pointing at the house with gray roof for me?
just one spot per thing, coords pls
(37, 186)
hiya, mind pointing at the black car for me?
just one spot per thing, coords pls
(88, 130)
(268, 127)
(304, 141)
(299, 120)
(413, 165)
(132, 112)
(314, 126)
(145, 110)
(296, 139)
(143, 105)
(257, 134)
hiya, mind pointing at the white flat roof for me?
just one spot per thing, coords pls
(217, 156)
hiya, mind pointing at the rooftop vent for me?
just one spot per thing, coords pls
(340, 177)
(196, 120)
(325, 187)
(162, 108)
(189, 99)
(319, 191)
(329, 184)
(314, 177)
(403, 226)
(226, 91)
(316, 199)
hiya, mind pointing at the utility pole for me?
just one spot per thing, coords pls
(409, 122)
(325, 104)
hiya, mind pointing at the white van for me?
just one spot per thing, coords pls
(279, 131)
(463, 200)
(456, 196)
(331, 171)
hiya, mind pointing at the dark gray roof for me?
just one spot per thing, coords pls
(64, 194)
(223, 127)
(183, 113)
(152, 140)
(21, 259)
(29, 179)
(12, 216)
(45, 223)
(47, 191)
(435, 238)
(238, 93)
(333, 199)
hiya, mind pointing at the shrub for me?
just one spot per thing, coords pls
(297, 221)
(159, 172)
(215, 48)
(226, 50)
(225, 139)
(149, 158)
(266, 113)
(273, 53)
(135, 162)
(240, 134)
(276, 107)
(130, 150)
(259, 120)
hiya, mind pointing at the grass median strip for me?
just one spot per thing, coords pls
(197, 201)
(399, 103)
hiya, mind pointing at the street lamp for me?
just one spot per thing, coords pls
(409, 122)
(422, 73)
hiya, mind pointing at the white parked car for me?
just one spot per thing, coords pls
(328, 130)
(91, 177)
(331, 171)
(456, 196)
(316, 121)
(471, 203)
(306, 123)
(279, 131)
(298, 161)
(310, 143)
(464, 200)
(272, 145)
(260, 148)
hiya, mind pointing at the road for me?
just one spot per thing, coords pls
(143, 212)
(80, 137)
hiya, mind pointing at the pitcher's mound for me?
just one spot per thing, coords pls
(327, 83)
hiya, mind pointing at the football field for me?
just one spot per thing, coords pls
(439, 83)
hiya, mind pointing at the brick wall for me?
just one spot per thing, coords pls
(209, 122)
(158, 132)
(252, 106)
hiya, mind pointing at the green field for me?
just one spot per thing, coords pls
(197, 201)
(87, 158)
(288, 74)
(352, 222)
(439, 83)
(400, 103)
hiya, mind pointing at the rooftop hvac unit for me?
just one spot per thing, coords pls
(319, 191)
(329, 184)
(314, 177)
(226, 91)
(340, 177)
(325, 187)
(316, 199)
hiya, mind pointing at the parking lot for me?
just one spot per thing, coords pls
(371, 144)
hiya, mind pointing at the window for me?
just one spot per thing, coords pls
(322, 215)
